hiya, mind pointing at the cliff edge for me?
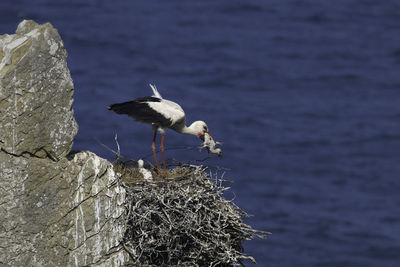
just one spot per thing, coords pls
(56, 209)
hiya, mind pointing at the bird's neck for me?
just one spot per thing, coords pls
(189, 130)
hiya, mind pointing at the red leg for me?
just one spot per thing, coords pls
(162, 151)
(153, 147)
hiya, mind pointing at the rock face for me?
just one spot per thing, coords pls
(36, 93)
(56, 209)
(65, 213)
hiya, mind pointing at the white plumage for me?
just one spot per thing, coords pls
(170, 110)
(160, 114)
(155, 91)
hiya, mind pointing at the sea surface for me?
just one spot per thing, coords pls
(304, 95)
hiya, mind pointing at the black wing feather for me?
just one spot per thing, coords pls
(141, 111)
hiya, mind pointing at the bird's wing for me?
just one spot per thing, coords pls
(170, 110)
(155, 92)
(140, 109)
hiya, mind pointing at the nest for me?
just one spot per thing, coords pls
(182, 219)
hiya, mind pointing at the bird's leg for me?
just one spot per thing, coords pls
(153, 147)
(162, 151)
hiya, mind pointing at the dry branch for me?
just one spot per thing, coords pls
(182, 219)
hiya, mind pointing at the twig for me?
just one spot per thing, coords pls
(119, 151)
(116, 153)
(186, 222)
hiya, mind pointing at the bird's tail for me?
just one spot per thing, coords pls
(155, 92)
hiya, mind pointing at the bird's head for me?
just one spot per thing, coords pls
(201, 128)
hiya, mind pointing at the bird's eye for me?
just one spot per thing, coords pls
(205, 128)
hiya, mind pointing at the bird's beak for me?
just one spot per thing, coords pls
(201, 136)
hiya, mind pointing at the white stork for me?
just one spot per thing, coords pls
(161, 114)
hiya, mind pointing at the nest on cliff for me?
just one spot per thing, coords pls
(181, 219)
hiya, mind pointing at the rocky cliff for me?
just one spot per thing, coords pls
(56, 208)
(59, 208)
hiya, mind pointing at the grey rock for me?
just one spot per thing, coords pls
(36, 93)
(55, 210)
(65, 213)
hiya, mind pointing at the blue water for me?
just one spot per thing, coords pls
(304, 95)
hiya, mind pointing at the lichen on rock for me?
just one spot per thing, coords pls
(36, 93)
(56, 208)
(64, 213)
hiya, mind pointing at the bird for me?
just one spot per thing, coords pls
(161, 114)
